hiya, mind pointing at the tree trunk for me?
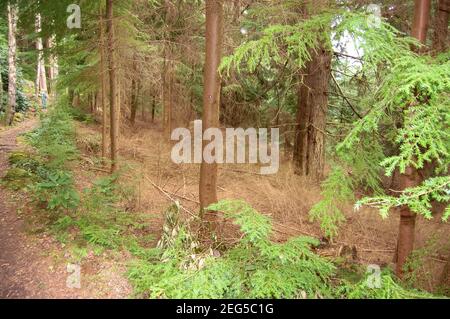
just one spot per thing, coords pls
(167, 91)
(309, 151)
(153, 108)
(411, 177)
(41, 78)
(112, 83)
(211, 101)
(444, 280)
(52, 69)
(103, 93)
(440, 39)
(134, 95)
(12, 72)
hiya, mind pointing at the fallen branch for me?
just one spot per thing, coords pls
(171, 198)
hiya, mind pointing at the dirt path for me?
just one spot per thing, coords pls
(12, 280)
(25, 272)
(35, 266)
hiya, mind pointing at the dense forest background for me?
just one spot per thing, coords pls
(358, 90)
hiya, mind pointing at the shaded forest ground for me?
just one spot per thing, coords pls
(34, 261)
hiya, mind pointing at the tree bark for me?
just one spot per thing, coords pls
(168, 70)
(211, 100)
(52, 68)
(444, 280)
(41, 78)
(309, 151)
(112, 83)
(411, 177)
(440, 39)
(103, 89)
(167, 91)
(153, 108)
(134, 95)
(12, 56)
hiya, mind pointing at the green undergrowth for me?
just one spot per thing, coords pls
(94, 220)
(88, 220)
(255, 267)
(43, 171)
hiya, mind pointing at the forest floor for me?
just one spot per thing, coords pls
(364, 238)
(33, 263)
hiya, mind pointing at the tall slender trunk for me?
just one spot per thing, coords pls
(211, 101)
(112, 83)
(103, 93)
(440, 38)
(12, 72)
(52, 69)
(153, 108)
(134, 94)
(309, 142)
(444, 279)
(309, 151)
(411, 177)
(167, 90)
(41, 78)
(119, 107)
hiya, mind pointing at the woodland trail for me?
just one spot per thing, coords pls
(25, 272)
(13, 274)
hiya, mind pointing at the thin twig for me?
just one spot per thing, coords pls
(345, 97)
(170, 197)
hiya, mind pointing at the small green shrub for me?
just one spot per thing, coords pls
(388, 289)
(255, 268)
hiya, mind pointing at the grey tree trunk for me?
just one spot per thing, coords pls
(41, 78)
(12, 72)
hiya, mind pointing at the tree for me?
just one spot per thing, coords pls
(103, 87)
(41, 78)
(52, 68)
(309, 148)
(412, 177)
(309, 151)
(211, 99)
(112, 83)
(440, 39)
(135, 87)
(12, 48)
